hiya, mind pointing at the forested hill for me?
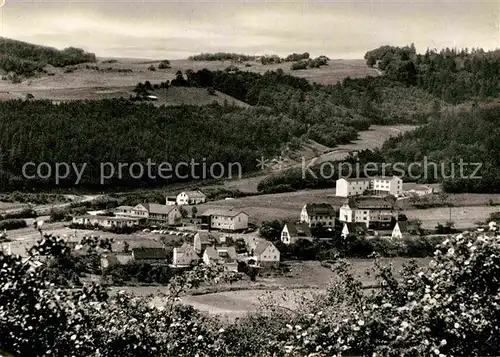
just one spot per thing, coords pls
(463, 125)
(453, 75)
(287, 111)
(24, 58)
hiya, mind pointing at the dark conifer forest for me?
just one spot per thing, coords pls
(452, 94)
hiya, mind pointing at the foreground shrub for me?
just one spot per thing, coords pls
(451, 308)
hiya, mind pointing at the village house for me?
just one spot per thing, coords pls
(204, 239)
(184, 256)
(355, 228)
(292, 232)
(374, 212)
(158, 214)
(106, 222)
(266, 252)
(318, 214)
(224, 256)
(191, 198)
(224, 220)
(153, 256)
(404, 228)
(378, 185)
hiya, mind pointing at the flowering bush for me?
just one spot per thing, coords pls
(451, 308)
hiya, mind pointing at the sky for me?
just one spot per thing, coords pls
(178, 29)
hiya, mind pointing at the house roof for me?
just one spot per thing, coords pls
(195, 194)
(298, 230)
(149, 253)
(371, 202)
(385, 177)
(261, 247)
(124, 208)
(157, 208)
(227, 252)
(209, 237)
(405, 226)
(222, 212)
(355, 179)
(211, 253)
(320, 209)
(184, 249)
(356, 227)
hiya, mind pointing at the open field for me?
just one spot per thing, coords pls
(110, 80)
(310, 274)
(369, 139)
(463, 217)
(25, 238)
(458, 199)
(469, 208)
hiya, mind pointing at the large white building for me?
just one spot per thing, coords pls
(378, 185)
(375, 212)
(225, 219)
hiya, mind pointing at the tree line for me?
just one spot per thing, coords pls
(24, 58)
(454, 75)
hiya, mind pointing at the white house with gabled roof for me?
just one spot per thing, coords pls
(191, 198)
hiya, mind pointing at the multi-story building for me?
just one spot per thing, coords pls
(378, 185)
(375, 212)
(346, 187)
(224, 220)
(157, 214)
(318, 214)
